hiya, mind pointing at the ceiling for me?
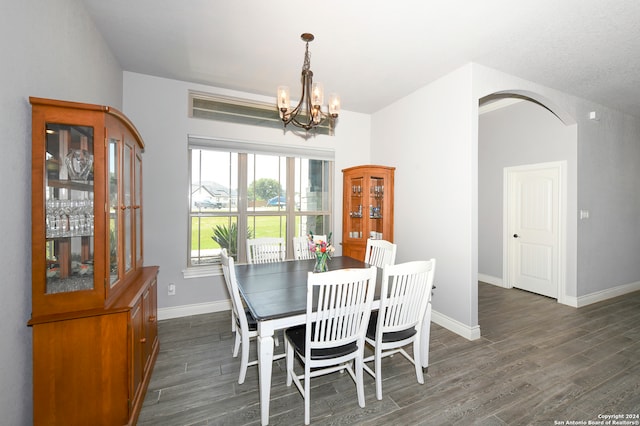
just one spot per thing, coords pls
(375, 52)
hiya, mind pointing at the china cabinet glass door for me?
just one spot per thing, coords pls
(69, 217)
(128, 215)
(138, 208)
(114, 209)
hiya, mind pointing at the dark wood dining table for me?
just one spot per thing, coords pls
(276, 295)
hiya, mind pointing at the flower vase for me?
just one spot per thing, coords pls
(321, 264)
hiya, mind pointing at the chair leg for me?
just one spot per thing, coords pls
(377, 361)
(360, 380)
(244, 361)
(289, 351)
(307, 394)
(236, 345)
(416, 361)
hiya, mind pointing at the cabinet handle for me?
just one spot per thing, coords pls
(143, 340)
(123, 207)
(152, 319)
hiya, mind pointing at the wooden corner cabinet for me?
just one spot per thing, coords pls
(94, 303)
(367, 207)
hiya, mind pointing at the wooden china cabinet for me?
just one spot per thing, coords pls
(367, 207)
(94, 304)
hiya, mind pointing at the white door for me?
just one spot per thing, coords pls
(533, 227)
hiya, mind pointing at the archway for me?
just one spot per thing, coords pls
(521, 128)
(530, 96)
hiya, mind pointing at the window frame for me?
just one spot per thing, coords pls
(242, 213)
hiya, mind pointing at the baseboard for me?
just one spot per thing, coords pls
(490, 280)
(455, 326)
(195, 309)
(599, 296)
(470, 333)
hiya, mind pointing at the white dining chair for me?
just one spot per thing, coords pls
(246, 327)
(320, 237)
(404, 296)
(380, 253)
(301, 246)
(265, 250)
(332, 339)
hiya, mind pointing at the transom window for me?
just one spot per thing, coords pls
(247, 190)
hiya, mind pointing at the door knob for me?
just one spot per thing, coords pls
(515, 236)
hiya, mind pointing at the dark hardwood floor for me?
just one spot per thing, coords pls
(537, 363)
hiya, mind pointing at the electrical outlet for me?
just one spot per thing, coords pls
(172, 290)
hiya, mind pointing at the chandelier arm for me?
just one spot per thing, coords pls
(307, 78)
(291, 116)
(315, 115)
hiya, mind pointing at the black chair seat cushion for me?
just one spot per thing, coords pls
(251, 321)
(394, 336)
(297, 335)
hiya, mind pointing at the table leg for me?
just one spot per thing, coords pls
(424, 341)
(265, 364)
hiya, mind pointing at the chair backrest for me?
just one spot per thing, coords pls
(404, 296)
(265, 250)
(380, 253)
(229, 271)
(317, 238)
(301, 246)
(338, 307)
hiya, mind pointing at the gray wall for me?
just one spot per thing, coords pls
(609, 175)
(431, 136)
(53, 50)
(519, 134)
(607, 152)
(158, 107)
(49, 49)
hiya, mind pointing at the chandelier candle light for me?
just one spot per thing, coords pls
(308, 113)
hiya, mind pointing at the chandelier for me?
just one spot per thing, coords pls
(308, 114)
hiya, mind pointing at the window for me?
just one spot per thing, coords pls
(233, 110)
(245, 190)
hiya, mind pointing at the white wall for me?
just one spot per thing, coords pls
(159, 107)
(428, 136)
(49, 49)
(519, 134)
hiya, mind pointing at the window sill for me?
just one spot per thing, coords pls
(202, 271)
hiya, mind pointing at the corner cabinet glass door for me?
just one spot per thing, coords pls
(69, 209)
(376, 208)
(355, 203)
